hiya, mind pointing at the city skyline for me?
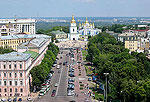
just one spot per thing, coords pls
(80, 8)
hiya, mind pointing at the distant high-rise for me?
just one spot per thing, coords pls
(21, 25)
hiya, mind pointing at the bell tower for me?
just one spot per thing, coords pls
(73, 26)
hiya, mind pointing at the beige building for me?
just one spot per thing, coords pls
(7, 29)
(131, 43)
(60, 35)
(12, 41)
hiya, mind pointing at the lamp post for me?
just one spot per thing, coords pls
(106, 86)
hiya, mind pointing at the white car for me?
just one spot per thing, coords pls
(56, 84)
(58, 66)
(29, 99)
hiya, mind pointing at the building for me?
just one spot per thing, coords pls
(14, 74)
(131, 43)
(21, 25)
(73, 35)
(60, 35)
(36, 47)
(122, 37)
(6, 30)
(13, 41)
(88, 29)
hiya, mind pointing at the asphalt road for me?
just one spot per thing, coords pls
(60, 78)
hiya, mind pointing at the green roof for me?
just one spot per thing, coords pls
(34, 55)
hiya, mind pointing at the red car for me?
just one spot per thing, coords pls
(53, 93)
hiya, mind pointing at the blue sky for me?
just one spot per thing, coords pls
(80, 8)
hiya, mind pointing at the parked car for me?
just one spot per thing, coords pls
(89, 79)
(56, 84)
(53, 93)
(58, 66)
(29, 99)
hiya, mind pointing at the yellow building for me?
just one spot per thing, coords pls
(14, 40)
(131, 43)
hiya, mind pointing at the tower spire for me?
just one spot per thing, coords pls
(73, 20)
(86, 22)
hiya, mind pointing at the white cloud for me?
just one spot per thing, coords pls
(85, 0)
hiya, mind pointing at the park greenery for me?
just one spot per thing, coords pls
(129, 74)
(40, 72)
(5, 50)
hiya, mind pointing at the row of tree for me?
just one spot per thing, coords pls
(129, 74)
(40, 72)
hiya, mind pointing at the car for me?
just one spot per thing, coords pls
(52, 71)
(60, 57)
(15, 100)
(9, 100)
(54, 65)
(56, 84)
(29, 99)
(69, 93)
(60, 63)
(71, 80)
(20, 99)
(53, 93)
(58, 66)
(89, 79)
(64, 63)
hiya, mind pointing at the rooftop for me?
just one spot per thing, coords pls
(34, 55)
(14, 56)
(37, 42)
(58, 32)
(20, 36)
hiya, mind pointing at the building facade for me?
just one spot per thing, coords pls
(21, 25)
(6, 30)
(14, 74)
(131, 43)
(74, 35)
(88, 29)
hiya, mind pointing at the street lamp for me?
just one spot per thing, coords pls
(106, 85)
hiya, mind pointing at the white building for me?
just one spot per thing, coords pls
(74, 35)
(88, 29)
(21, 25)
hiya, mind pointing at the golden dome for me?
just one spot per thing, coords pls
(73, 21)
(86, 22)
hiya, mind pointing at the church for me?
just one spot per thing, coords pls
(85, 29)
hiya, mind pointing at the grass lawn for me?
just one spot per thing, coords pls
(98, 96)
(84, 53)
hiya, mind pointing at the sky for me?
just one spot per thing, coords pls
(79, 8)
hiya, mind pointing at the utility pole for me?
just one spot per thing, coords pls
(106, 86)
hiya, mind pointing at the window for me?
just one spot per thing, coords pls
(5, 83)
(9, 74)
(0, 74)
(73, 30)
(20, 66)
(15, 66)
(21, 83)
(5, 90)
(4, 66)
(4, 74)
(21, 90)
(20, 74)
(10, 66)
(16, 83)
(15, 75)
(10, 82)
(16, 90)
(0, 90)
(10, 89)
(0, 82)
